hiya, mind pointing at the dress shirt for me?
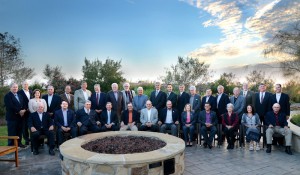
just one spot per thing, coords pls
(207, 98)
(27, 94)
(116, 95)
(278, 95)
(87, 111)
(245, 93)
(149, 115)
(65, 117)
(192, 101)
(218, 99)
(41, 116)
(85, 95)
(261, 96)
(108, 117)
(17, 97)
(208, 118)
(169, 116)
(50, 99)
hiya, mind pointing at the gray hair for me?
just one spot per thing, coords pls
(88, 101)
(140, 88)
(192, 87)
(230, 105)
(220, 86)
(97, 85)
(114, 84)
(126, 84)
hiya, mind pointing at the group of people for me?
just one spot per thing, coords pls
(85, 112)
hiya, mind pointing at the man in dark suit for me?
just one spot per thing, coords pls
(171, 96)
(68, 97)
(116, 98)
(53, 101)
(195, 101)
(168, 119)
(209, 99)
(98, 99)
(208, 120)
(222, 101)
(87, 119)
(249, 96)
(183, 99)
(26, 96)
(262, 102)
(109, 119)
(14, 114)
(65, 121)
(40, 123)
(129, 119)
(281, 98)
(158, 97)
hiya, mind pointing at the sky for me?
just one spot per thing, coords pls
(147, 35)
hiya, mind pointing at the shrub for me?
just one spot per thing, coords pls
(296, 119)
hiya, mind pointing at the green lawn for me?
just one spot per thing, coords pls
(3, 132)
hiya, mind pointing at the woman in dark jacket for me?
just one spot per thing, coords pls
(188, 120)
(230, 122)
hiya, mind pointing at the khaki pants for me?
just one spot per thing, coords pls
(125, 127)
(287, 133)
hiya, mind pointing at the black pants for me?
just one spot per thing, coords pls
(35, 138)
(14, 128)
(84, 129)
(25, 131)
(153, 128)
(60, 134)
(229, 133)
(213, 131)
(113, 128)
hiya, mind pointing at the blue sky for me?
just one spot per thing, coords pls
(148, 35)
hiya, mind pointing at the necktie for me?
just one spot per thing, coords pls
(244, 94)
(168, 94)
(262, 98)
(156, 93)
(97, 99)
(16, 95)
(68, 97)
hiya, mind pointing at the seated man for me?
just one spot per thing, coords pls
(168, 119)
(64, 119)
(40, 123)
(109, 119)
(129, 119)
(87, 119)
(276, 123)
(149, 117)
(208, 120)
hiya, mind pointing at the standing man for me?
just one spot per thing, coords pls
(81, 96)
(98, 100)
(263, 102)
(53, 101)
(282, 99)
(68, 97)
(26, 95)
(109, 119)
(238, 102)
(222, 101)
(158, 97)
(139, 101)
(128, 95)
(249, 96)
(14, 114)
(171, 96)
(183, 99)
(116, 98)
(209, 99)
(149, 118)
(168, 119)
(195, 101)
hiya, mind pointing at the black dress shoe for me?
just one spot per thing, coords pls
(22, 146)
(228, 146)
(288, 150)
(209, 146)
(35, 152)
(205, 145)
(232, 147)
(51, 152)
(268, 148)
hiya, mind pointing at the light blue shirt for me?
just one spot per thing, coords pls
(50, 99)
(108, 117)
(65, 117)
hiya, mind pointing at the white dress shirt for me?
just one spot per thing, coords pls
(85, 95)
(27, 94)
(65, 117)
(108, 117)
(169, 118)
(149, 115)
(41, 116)
(278, 95)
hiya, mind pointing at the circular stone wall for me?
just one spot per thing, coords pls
(76, 160)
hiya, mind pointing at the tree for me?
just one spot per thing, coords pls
(55, 77)
(103, 73)
(22, 74)
(186, 71)
(254, 78)
(228, 80)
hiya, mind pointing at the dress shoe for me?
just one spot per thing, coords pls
(209, 146)
(268, 148)
(231, 146)
(205, 145)
(35, 152)
(22, 146)
(228, 146)
(27, 143)
(51, 152)
(288, 150)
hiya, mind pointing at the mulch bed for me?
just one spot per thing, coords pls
(124, 145)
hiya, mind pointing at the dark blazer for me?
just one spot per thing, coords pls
(24, 97)
(102, 101)
(234, 120)
(222, 105)
(163, 115)
(183, 118)
(284, 102)
(271, 119)
(71, 102)
(87, 119)
(183, 99)
(202, 118)
(262, 109)
(13, 106)
(159, 102)
(173, 98)
(34, 121)
(113, 117)
(55, 103)
(59, 118)
(249, 99)
(212, 101)
(196, 104)
(117, 105)
(125, 116)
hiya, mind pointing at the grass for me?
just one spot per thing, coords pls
(3, 132)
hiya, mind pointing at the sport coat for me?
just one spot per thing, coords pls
(131, 96)
(34, 121)
(163, 115)
(202, 118)
(159, 102)
(222, 105)
(55, 103)
(249, 99)
(117, 104)
(193, 118)
(79, 99)
(25, 98)
(101, 101)
(238, 105)
(125, 116)
(271, 119)
(173, 98)
(196, 103)
(211, 100)
(139, 102)
(284, 103)
(85, 118)
(153, 116)
(59, 118)
(183, 99)
(104, 117)
(13, 106)
(263, 108)
(71, 102)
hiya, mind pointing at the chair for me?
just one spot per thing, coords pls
(9, 149)
(237, 134)
(277, 135)
(202, 138)
(41, 141)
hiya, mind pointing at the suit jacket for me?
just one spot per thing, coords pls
(153, 116)
(132, 95)
(59, 118)
(238, 105)
(193, 118)
(163, 115)
(85, 118)
(183, 99)
(284, 102)
(55, 103)
(263, 108)
(25, 98)
(222, 105)
(125, 116)
(234, 120)
(117, 105)
(79, 99)
(196, 103)
(211, 100)
(202, 117)
(249, 99)
(159, 102)
(271, 119)
(101, 101)
(13, 106)
(139, 102)
(113, 117)
(173, 98)
(71, 102)
(34, 121)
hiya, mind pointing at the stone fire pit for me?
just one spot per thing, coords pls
(166, 160)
